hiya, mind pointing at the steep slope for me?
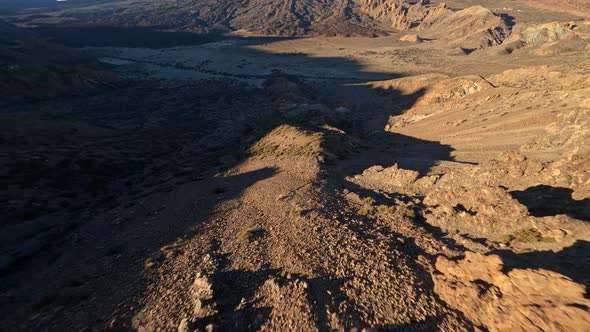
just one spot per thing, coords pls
(213, 205)
(475, 26)
(471, 28)
(551, 38)
(275, 17)
(463, 110)
(31, 68)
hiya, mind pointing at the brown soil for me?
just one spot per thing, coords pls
(576, 7)
(262, 183)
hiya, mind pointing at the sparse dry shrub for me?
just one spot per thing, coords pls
(527, 235)
(366, 211)
(407, 212)
(386, 210)
(248, 234)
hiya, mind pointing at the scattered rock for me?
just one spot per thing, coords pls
(390, 179)
(183, 326)
(411, 39)
(202, 294)
(517, 301)
(470, 28)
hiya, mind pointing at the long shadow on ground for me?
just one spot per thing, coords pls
(543, 201)
(572, 261)
(130, 244)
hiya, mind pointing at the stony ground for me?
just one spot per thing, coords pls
(309, 184)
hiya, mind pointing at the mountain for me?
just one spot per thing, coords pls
(471, 28)
(276, 17)
(300, 17)
(31, 68)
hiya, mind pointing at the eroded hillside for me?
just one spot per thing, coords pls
(433, 178)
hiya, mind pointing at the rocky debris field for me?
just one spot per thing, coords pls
(321, 197)
(284, 233)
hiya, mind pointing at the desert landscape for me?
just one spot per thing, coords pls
(305, 165)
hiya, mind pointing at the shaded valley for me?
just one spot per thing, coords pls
(337, 165)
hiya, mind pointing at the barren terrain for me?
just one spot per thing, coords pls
(426, 168)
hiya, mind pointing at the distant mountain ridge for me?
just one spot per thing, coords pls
(276, 17)
(33, 69)
(474, 27)
(471, 28)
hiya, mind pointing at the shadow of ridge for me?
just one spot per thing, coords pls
(323, 304)
(28, 7)
(572, 262)
(125, 270)
(126, 267)
(100, 36)
(509, 19)
(544, 201)
(84, 35)
(409, 153)
(371, 109)
(240, 282)
(232, 286)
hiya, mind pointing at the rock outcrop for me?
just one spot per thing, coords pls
(515, 301)
(552, 38)
(471, 28)
(474, 27)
